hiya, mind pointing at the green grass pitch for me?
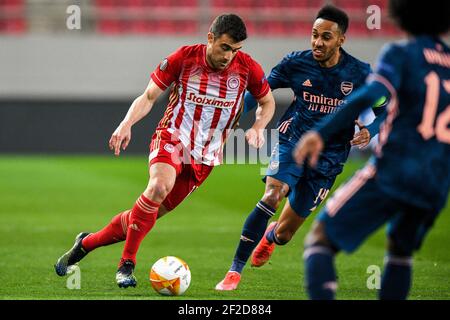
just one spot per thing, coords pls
(46, 201)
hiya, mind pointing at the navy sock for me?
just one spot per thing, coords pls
(396, 279)
(272, 237)
(253, 231)
(320, 273)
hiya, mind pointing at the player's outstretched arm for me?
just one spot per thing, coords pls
(140, 107)
(264, 113)
(312, 143)
(359, 101)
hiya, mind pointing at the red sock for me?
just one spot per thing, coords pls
(143, 217)
(114, 232)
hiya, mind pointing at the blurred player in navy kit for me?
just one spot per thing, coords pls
(408, 181)
(321, 79)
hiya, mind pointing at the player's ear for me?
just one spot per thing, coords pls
(341, 39)
(210, 37)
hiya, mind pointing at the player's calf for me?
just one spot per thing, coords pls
(272, 238)
(320, 274)
(280, 235)
(288, 224)
(277, 233)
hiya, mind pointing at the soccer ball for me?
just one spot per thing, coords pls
(170, 276)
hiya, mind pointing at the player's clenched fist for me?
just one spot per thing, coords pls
(120, 137)
(362, 137)
(255, 137)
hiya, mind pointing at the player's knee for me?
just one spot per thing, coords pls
(316, 235)
(157, 190)
(272, 198)
(395, 248)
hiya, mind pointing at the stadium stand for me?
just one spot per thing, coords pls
(187, 17)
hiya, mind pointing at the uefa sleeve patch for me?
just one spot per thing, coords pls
(163, 65)
(263, 79)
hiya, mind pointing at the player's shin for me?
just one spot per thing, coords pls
(142, 219)
(396, 279)
(320, 274)
(253, 231)
(114, 232)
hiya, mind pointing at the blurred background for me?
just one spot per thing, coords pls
(65, 90)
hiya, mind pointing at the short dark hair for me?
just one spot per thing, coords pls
(417, 18)
(334, 14)
(230, 24)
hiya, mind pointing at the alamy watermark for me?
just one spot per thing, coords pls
(373, 22)
(74, 279)
(374, 280)
(73, 21)
(215, 146)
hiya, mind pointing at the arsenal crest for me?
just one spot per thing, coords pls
(346, 87)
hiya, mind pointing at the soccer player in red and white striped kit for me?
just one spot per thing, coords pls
(206, 101)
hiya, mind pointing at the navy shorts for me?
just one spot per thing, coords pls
(307, 188)
(360, 207)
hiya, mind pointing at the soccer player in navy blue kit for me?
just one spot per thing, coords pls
(321, 79)
(408, 181)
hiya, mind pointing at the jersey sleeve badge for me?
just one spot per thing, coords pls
(163, 65)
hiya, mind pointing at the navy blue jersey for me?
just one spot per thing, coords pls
(319, 92)
(414, 162)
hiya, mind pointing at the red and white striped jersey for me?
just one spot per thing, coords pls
(204, 103)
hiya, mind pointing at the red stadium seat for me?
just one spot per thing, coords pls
(109, 26)
(12, 2)
(383, 4)
(14, 19)
(191, 3)
(218, 3)
(301, 28)
(114, 19)
(351, 4)
(14, 26)
(303, 3)
(105, 3)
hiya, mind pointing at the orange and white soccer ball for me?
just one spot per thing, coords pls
(170, 276)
